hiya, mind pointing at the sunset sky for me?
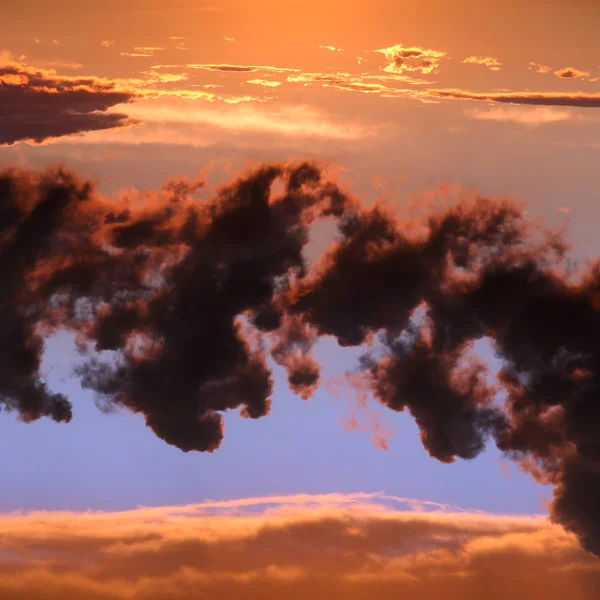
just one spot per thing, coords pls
(334, 496)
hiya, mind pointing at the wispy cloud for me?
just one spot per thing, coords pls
(576, 99)
(143, 51)
(240, 116)
(332, 48)
(265, 83)
(539, 68)
(493, 64)
(534, 116)
(228, 68)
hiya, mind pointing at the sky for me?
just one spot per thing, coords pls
(406, 103)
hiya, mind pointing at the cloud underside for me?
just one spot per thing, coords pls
(327, 547)
(37, 105)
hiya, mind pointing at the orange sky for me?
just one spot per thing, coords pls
(399, 98)
(513, 78)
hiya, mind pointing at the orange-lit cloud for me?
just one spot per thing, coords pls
(226, 68)
(487, 61)
(236, 117)
(575, 99)
(539, 68)
(413, 59)
(107, 43)
(356, 83)
(332, 48)
(564, 73)
(353, 547)
(265, 82)
(533, 116)
(571, 73)
(142, 51)
(38, 104)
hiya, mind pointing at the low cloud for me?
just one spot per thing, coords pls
(335, 546)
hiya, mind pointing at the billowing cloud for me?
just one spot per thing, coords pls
(493, 64)
(413, 59)
(334, 546)
(38, 104)
(190, 298)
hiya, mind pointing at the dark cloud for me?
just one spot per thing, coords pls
(192, 296)
(575, 99)
(37, 105)
(571, 73)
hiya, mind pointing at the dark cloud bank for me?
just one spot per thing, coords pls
(37, 104)
(165, 281)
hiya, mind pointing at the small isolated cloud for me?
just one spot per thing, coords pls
(107, 43)
(56, 42)
(524, 116)
(143, 51)
(353, 546)
(493, 64)
(571, 73)
(229, 39)
(332, 48)
(412, 59)
(36, 104)
(178, 38)
(539, 68)
(265, 82)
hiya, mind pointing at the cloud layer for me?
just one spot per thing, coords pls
(335, 546)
